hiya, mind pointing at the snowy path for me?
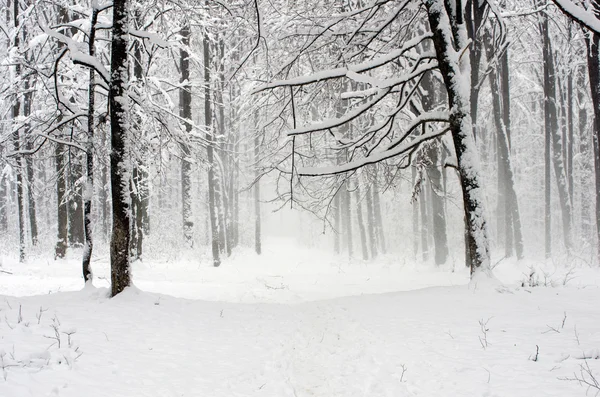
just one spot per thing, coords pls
(311, 325)
(143, 344)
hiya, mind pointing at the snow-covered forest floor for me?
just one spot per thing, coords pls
(296, 322)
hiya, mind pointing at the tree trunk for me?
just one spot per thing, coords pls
(16, 111)
(434, 174)
(593, 60)
(513, 225)
(119, 164)
(415, 215)
(89, 156)
(424, 221)
(212, 165)
(552, 131)
(378, 217)
(448, 38)
(185, 111)
(337, 224)
(33, 229)
(257, 220)
(361, 225)
(585, 171)
(371, 223)
(76, 234)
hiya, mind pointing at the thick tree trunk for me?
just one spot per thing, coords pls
(593, 60)
(119, 164)
(448, 38)
(212, 165)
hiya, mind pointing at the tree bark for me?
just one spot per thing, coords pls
(119, 165)
(448, 38)
(16, 111)
(212, 165)
(552, 132)
(88, 246)
(185, 111)
(593, 60)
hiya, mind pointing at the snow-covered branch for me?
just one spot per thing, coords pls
(578, 14)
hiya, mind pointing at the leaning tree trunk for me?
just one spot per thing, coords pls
(447, 27)
(119, 164)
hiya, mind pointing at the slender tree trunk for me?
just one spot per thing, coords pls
(415, 216)
(3, 203)
(89, 155)
(378, 217)
(119, 164)
(16, 111)
(513, 225)
(212, 165)
(440, 240)
(423, 201)
(185, 111)
(551, 117)
(257, 220)
(337, 223)
(361, 225)
(585, 171)
(371, 223)
(33, 229)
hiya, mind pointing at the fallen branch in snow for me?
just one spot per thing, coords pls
(484, 330)
(4, 271)
(585, 378)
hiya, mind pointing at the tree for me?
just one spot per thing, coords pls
(446, 21)
(119, 156)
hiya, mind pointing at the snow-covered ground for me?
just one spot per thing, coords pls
(296, 322)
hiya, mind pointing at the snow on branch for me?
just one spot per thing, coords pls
(153, 38)
(343, 71)
(77, 56)
(578, 14)
(375, 157)
(336, 122)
